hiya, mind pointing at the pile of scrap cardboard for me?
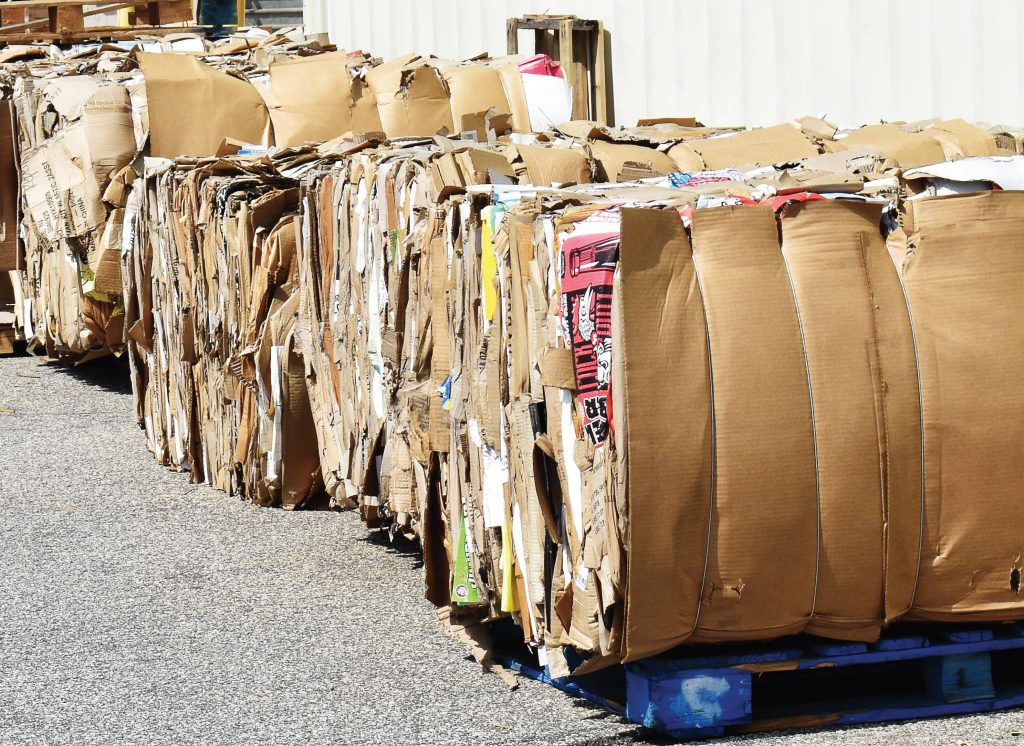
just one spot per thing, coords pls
(634, 387)
(85, 118)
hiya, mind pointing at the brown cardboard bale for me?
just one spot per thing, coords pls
(547, 166)
(311, 99)
(474, 89)
(178, 86)
(762, 560)
(870, 499)
(613, 159)
(963, 281)
(412, 99)
(670, 477)
(759, 147)
(908, 149)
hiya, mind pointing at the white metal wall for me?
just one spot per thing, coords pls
(743, 61)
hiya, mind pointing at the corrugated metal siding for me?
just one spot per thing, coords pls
(744, 61)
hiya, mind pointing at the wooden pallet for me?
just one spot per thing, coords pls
(67, 17)
(804, 682)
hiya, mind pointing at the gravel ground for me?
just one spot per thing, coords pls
(136, 608)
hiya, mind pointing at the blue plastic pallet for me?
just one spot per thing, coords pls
(708, 691)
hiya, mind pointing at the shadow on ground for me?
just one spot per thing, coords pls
(109, 373)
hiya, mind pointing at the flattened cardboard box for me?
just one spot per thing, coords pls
(963, 283)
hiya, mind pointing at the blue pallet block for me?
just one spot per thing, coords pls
(982, 634)
(686, 701)
(959, 678)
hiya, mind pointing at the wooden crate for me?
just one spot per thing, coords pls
(579, 46)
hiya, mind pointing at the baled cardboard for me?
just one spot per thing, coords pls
(178, 86)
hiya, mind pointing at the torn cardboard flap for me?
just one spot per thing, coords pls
(908, 149)
(475, 88)
(412, 99)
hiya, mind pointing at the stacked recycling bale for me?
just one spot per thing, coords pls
(554, 498)
(79, 123)
(744, 387)
(210, 283)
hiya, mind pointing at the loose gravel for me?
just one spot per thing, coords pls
(137, 608)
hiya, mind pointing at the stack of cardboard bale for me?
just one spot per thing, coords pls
(617, 452)
(86, 116)
(748, 384)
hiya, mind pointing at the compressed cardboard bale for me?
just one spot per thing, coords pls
(214, 291)
(862, 370)
(762, 562)
(963, 280)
